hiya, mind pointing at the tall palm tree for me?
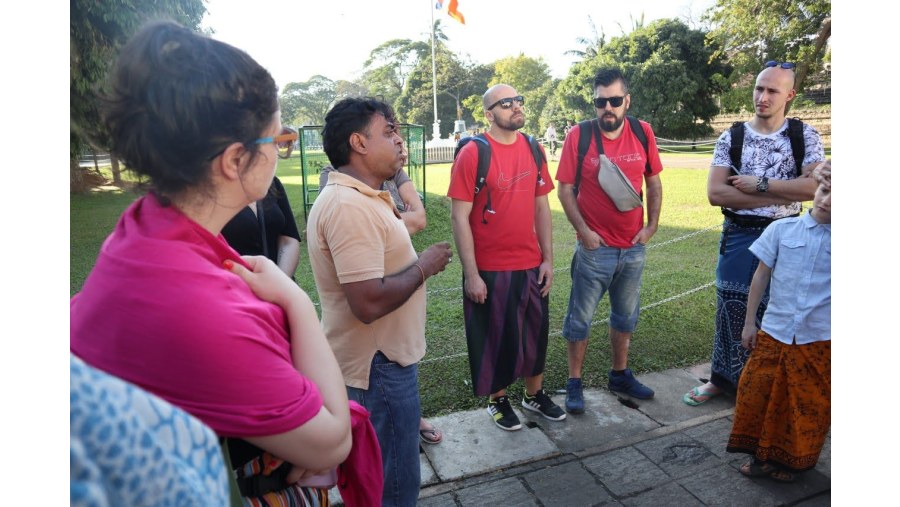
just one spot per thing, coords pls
(439, 36)
(590, 45)
(635, 24)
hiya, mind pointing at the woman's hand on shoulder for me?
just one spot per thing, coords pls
(266, 280)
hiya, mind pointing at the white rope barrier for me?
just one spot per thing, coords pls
(659, 140)
(566, 268)
(593, 323)
(681, 150)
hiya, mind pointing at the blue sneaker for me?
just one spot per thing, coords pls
(574, 396)
(627, 384)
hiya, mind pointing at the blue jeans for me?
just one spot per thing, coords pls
(594, 272)
(393, 402)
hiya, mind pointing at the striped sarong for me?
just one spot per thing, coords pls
(291, 496)
(783, 410)
(507, 334)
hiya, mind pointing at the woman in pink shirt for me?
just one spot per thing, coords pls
(169, 306)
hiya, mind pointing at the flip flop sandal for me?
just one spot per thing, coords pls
(431, 436)
(689, 397)
(754, 469)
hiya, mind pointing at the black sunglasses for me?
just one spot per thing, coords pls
(508, 102)
(783, 65)
(600, 102)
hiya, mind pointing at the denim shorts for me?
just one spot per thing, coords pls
(594, 272)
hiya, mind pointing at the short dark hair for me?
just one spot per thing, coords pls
(348, 116)
(176, 99)
(609, 75)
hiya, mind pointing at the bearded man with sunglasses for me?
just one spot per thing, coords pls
(505, 243)
(610, 250)
(766, 187)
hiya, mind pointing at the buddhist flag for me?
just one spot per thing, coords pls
(451, 10)
(455, 14)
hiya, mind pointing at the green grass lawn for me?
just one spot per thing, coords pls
(678, 298)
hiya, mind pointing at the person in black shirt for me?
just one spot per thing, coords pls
(281, 240)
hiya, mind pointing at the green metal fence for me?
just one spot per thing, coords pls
(313, 159)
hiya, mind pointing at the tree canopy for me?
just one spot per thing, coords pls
(674, 78)
(680, 77)
(307, 102)
(751, 32)
(389, 66)
(456, 80)
(530, 77)
(97, 28)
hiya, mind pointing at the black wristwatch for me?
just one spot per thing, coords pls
(762, 184)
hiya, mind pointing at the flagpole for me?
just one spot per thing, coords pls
(436, 126)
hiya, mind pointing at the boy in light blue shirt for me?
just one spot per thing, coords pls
(783, 410)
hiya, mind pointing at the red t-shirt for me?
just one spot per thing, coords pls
(160, 311)
(508, 241)
(617, 228)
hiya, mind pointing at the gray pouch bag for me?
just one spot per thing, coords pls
(617, 186)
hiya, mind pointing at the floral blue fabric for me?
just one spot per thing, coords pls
(129, 447)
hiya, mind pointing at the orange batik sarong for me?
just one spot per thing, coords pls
(783, 409)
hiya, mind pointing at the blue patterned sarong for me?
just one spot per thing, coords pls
(734, 273)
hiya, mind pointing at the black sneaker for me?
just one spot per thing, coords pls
(502, 412)
(542, 404)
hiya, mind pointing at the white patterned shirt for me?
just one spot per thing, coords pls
(770, 155)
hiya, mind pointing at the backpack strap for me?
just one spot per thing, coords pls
(638, 132)
(484, 161)
(798, 145)
(737, 144)
(586, 131)
(539, 158)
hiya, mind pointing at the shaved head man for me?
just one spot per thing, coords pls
(505, 243)
(761, 186)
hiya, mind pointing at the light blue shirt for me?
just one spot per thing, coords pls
(799, 252)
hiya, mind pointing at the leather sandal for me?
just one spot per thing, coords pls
(782, 476)
(431, 435)
(757, 469)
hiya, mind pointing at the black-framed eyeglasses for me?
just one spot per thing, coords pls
(783, 65)
(600, 102)
(508, 102)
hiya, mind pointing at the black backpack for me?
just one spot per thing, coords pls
(794, 132)
(584, 142)
(484, 163)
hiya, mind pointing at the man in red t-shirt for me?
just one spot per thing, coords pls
(610, 252)
(504, 240)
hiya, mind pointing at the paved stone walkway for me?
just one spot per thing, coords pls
(661, 453)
